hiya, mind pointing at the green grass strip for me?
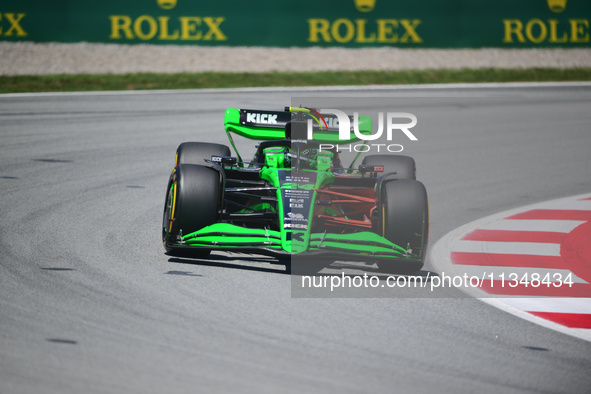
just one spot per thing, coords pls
(148, 81)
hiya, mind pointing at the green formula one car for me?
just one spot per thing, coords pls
(295, 198)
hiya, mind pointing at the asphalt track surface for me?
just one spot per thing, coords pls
(90, 303)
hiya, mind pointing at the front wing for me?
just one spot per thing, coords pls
(355, 246)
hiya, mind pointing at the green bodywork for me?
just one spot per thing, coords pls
(233, 124)
(277, 172)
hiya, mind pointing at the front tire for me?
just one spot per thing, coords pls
(405, 222)
(191, 204)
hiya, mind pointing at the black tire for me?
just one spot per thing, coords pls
(197, 152)
(404, 166)
(197, 192)
(405, 221)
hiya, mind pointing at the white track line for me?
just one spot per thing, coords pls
(521, 248)
(584, 205)
(552, 305)
(554, 226)
(325, 89)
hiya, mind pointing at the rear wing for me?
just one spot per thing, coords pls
(270, 125)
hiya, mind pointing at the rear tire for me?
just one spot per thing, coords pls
(405, 221)
(191, 203)
(197, 152)
(403, 166)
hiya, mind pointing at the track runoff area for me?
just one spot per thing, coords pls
(532, 262)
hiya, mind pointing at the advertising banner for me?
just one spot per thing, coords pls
(303, 23)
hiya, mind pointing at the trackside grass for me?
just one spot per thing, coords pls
(147, 81)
